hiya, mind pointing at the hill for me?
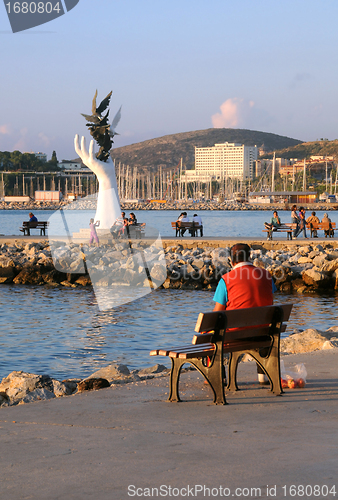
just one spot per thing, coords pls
(307, 149)
(168, 150)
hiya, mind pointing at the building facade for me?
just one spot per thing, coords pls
(223, 161)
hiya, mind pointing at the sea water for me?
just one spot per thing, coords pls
(216, 223)
(62, 332)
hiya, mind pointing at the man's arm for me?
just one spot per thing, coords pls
(219, 307)
(221, 296)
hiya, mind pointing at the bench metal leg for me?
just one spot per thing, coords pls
(269, 364)
(213, 374)
(176, 367)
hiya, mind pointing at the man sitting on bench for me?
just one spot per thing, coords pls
(245, 286)
(274, 222)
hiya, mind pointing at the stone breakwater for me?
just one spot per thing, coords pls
(89, 203)
(302, 268)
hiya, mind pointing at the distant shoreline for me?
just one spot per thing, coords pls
(229, 205)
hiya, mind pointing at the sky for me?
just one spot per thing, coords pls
(174, 67)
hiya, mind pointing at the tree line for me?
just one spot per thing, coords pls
(15, 161)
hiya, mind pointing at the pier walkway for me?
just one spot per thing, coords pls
(95, 445)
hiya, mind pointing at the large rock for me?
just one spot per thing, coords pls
(18, 384)
(153, 370)
(315, 278)
(111, 372)
(92, 384)
(39, 394)
(307, 341)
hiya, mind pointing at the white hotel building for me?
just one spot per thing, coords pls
(223, 161)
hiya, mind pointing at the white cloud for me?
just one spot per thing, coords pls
(44, 140)
(5, 129)
(235, 112)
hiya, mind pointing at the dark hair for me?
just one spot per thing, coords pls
(239, 253)
(294, 207)
(301, 208)
(313, 213)
(195, 215)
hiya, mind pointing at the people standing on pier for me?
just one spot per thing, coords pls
(244, 287)
(311, 220)
(302, 223)
(295, 219)
(93, 236)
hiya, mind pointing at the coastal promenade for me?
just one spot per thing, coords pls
(97, 444)
(189, 241)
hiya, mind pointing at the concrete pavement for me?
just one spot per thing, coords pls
(98, 444)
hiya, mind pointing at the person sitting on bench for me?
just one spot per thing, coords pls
(183, 218)
(310, 220)
(196, 219)
(274, 222)
(328, 232)
(243, 287)
(32, 217)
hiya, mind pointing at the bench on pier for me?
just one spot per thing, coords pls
(282, 228)
(137, 230)
(255, 331)
(134, 231)
(327, 227)
(27, 226)
(181, 227)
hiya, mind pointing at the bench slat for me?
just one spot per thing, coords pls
(243, 346)
(238, 318)
(202, 338)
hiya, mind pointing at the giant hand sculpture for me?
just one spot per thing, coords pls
(108, 202)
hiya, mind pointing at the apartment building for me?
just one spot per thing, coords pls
(223, 161)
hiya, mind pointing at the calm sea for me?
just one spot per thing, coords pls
(215, 222)
(63, 333)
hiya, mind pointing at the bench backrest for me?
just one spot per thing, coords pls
(243, 323)
(35, 224)
(184, 224)
(321, 225)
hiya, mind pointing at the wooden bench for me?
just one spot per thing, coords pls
(137, 230)
(192, 227)
(255, 331)
(283, 228)
(28, 226)
(134, 231)
(325, 226)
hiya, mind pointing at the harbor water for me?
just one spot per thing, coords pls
(216, 223)
(63, 333)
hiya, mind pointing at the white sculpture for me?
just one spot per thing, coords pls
(108, 202)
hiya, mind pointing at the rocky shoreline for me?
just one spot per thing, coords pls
(22, 387)
(89, 203)
(305, 268)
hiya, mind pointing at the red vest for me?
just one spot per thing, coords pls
(248, 286)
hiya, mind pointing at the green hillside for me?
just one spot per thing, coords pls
(307, 149)
(168, 150)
